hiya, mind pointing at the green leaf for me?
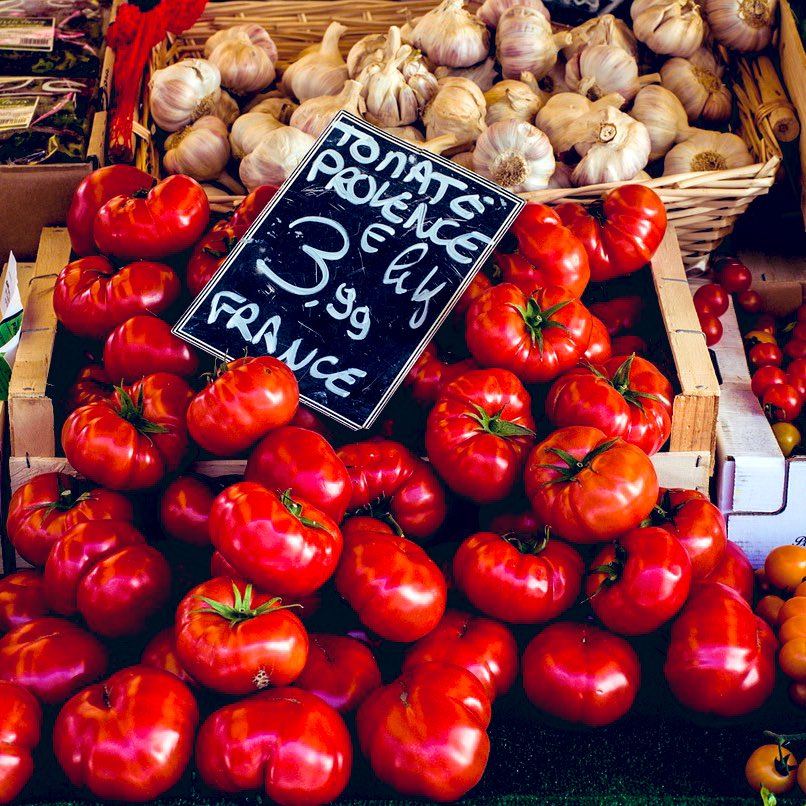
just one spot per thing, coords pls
(767, 798)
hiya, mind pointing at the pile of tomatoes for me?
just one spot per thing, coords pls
(373, 595)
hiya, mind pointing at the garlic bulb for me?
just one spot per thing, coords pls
(599, 70)
(561, 178)
(561, 110)
(458, 108)
(512, 100)
(464, 159)
(451, 36)
(320, 71)
(524, 42)
(226, 109)
(368, 50)
(257, 34)
(515, 155)
(707, 151)
(249, 130)
(407, 133)
(554, 81)
(277, 106)
(698, 84)
(491, 10)
(439, 145)
(614, 147)
(668, 27)
(661, 112)
(743, 25)
(484, 74)
(314, 115)
(245, 67)
(183, 92)
(275, 159)
(604, 30)
(200, 150)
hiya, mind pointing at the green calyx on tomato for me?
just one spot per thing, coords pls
(621, 383)
(65, 501)
(241, 608)
(782, 765)
(295, 508)
(228, 242)
(663, 512)
(612, 570)
(575, 466)
(493, 424)
(528, 544)
(537, 319)
(133, 413)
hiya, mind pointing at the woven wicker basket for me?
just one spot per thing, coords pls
(703, 206)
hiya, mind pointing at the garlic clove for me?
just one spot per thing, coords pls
(604, 30)
(368, 50)
(514, 155)
(200, 150)
(320, 71)
(512, 100)
(707, 151)
(661, 112)
(226, 109)
(183, 92)
(451, 36)
(491, 10)
(314, 115)
(565, 108)
(249, 130)
(275, 159)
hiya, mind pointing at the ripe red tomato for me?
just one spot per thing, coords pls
(767, 323)
(185, 509)
(248, 398)
(627, 344)
(50, 504)
(711, 327)
(286, 742)
(549, 253)
(796, 374)
(721, 657)
(425, 734)
(712, 298)
(478, 285)
(520, 579)
(302, 461)
(20, 725)
(430, 373)
(734, 276)
(479, 433)
(781, 403)
(210, 252)
(91, 385)
(340, 670)
(600, 347)
(144, 345)
(795, 349)
(735, 571)
(167, 219)
(535, 336)
(396, 589)
(91, 298)
(581, 673)
(589, 488)
(283, 545)
(387, 474)
(765, 377)
(140, 722)
(761, 355)
(750, 301)
(619, 313)
(253, 205)
(105, 571)
(51, 657)
(638, 583)
(160, 653)
(486, 648)
(22, 599)
(621, 232)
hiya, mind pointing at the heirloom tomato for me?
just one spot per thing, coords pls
(160, 653)
(340, 670)
(210, 252)
(91, 385)
(599, 348)
(479, 433)
(581, 673)
(627, 343)
(535, 336)
(625, 397)
(396, 589)
(478, 285)
(721, 656)
(237, 640)
(91, 297)
(621, 232)
(247, 398)
(285, 742)
(185, 509)
(50, 504)
(589, 488)
(133, 440)
(282, 544)
(486, 648)
(772, 767)
(128, 738)
(518, 578)
(22, 599)
(425, 734)
(20, 724)
(51, 657)
(150, 225)
(619, 313)
(252, 206)
(735, 571)
(391, 482)
(303, 462)
(430, 373)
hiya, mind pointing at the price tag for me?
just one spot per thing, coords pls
(27, 33)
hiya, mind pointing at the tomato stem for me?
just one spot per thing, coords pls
(133, 412)
(493, 424)
(528, 544)
(295, 508)
(241, 608)
(537, 319)
(575, 466)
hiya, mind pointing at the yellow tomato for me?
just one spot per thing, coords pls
(788, 437)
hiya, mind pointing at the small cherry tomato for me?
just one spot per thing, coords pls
(750, 301)
(787, 436)
(795, 349)
(792, 659)
(766, 322)
(734, 276)
(797, 693)
(781, 403)
(765, 377)
(771, 766)
(713, 298)
(711, 328)
(800, 313)
(768, 607)
(785, 566)
(794, 627)
(762, 355)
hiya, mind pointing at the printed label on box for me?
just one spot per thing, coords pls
(11, 314)
(27, 33)
(16, 113)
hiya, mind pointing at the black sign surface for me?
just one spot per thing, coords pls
(352, 266)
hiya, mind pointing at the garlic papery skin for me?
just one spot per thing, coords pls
(707, 151)
(561, 178)
(483, 75)
(321, 70)
(514, 155)
(226, 109)
(257, 34)
(668, 27)
(604, 30)
(524, 42)
(512, 100)
(458, 108)
(275, 159)
(614, 147)
(278, 107)
(451, 36)
(183, 92)
(249, 130)
(314, 115)
(491, 10)
(599, 70)
(743, 25)
(698, 84)
(408, 133)
(200, 150)
(563, 109)
(554, 81)
(368, 50)
(464, 159)
(661, 112)
(244, 66)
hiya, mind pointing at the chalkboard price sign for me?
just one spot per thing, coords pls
(352, 266)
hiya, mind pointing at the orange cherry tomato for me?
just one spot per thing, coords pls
(785, 567)
(792, 659)
(773, 767)
(794, 627)
(761, 580)
(768, 607)
(797, 693)
(792, 607)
